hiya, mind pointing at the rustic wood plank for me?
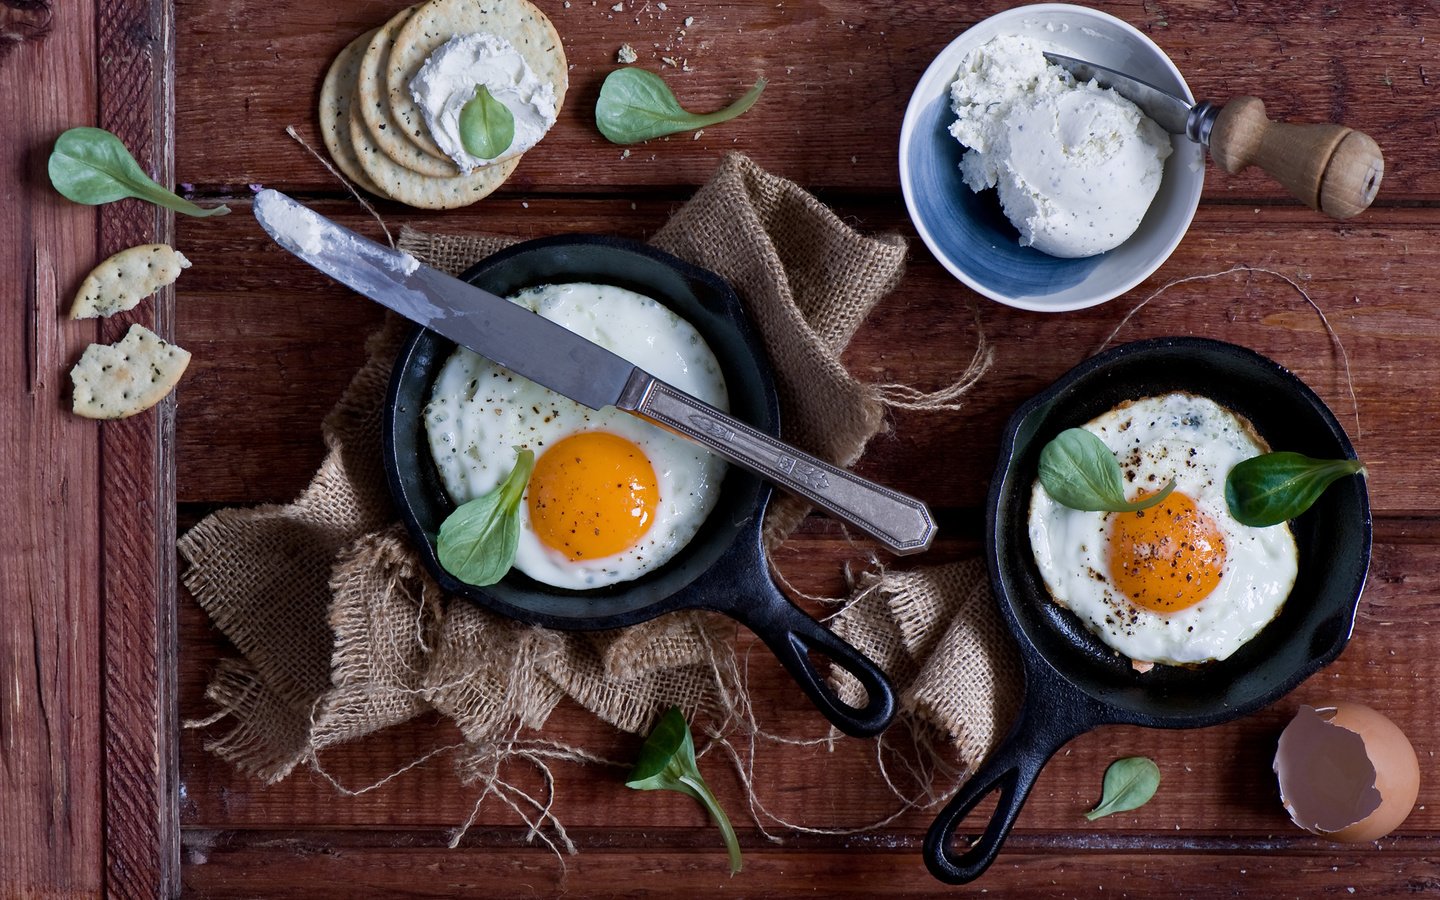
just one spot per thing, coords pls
(250, 70)
(254, 315)
(20, 23)
(142, 841)
(338, 864)
(275, 345)
(50, 685)
(1216, 780)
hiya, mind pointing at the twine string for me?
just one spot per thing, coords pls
(1251, 270)
(290, 130)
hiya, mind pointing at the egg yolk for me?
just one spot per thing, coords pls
(1168, 557)
(592, 495)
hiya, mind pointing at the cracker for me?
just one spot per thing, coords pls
(122, 281)
(422, 191)
(374, 108)
(335, 97)
(437, 21)
(113, 381)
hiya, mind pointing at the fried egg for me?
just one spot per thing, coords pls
(1178, 583)
(611, 496)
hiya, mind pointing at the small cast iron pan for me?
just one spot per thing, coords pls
(1073, 682)
(723, 568)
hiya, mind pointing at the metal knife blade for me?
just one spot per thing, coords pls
(1173, 113)
(536, 348)
(492, 326)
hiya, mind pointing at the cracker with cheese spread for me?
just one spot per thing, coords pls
(422, 191)
(122, 281)
(114, 381)
(516, 23)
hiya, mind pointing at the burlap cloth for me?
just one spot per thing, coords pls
(340, 632)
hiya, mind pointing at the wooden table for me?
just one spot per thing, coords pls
(102, 653)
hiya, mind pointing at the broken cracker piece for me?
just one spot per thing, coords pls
(114, 381)
(122, 281)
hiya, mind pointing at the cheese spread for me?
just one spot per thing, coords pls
(1076, 165)
(449, 78)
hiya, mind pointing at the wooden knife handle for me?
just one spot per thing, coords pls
(1332, 168)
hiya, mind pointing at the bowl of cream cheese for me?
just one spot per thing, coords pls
(1035, 189)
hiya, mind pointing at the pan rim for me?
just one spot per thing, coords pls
(1039, 665)
(756, 494)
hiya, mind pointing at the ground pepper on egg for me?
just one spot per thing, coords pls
(1180, 583)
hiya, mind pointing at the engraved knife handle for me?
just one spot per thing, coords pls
(900, 522)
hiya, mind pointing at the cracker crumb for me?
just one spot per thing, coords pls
(689, 20)
(619, 7)
(626, 54)
(697, 135)
(670, 61)
(625, 154)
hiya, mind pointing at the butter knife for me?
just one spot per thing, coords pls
(1332, 168)
(550, 355)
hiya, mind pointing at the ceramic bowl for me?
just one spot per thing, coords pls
(968, 232)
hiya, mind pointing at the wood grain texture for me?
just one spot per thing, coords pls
(243, 865)
(275, 344)
(142, 840)
(841, 73)
(23, 20)
(50, 687)
(88, 671)
(1215, 781)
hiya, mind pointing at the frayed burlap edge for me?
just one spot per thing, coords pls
(808, 279)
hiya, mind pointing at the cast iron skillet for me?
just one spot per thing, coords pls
(1073, 682)
(723, 568)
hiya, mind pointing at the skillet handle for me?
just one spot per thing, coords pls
(792, 635)
(1012, 770)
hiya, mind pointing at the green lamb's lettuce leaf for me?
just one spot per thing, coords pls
(1274, 487)
(1077, 470)
(636, 105)
(92, 166)
(487, 127)
(1129, 784)
(477, 541)
(667, 763)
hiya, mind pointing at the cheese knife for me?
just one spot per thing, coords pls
(1332, 168)
(533, 346)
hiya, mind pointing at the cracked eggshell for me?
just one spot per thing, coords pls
(1346, 772)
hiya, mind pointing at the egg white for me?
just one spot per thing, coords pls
(480, 412)
(1195, 441)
